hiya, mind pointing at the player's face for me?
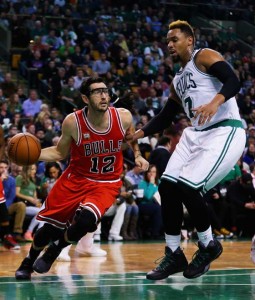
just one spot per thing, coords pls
(99, 98)
(178, 44)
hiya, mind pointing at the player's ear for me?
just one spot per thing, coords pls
(85, 98)
(190, 41)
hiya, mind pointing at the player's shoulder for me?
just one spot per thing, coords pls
(69, 121)
(207, 57)
(123, 112)
(125, 116)
(208, 54)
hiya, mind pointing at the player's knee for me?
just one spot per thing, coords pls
(46, 234)
(86, 222)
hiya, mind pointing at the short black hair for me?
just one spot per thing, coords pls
(84, 89)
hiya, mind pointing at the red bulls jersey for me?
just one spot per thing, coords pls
(2, 197)
(97, 155)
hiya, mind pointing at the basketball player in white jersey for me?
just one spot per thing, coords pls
(205, 87)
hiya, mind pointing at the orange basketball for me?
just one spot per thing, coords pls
(24, 149)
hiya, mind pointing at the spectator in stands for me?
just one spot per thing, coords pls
(15, 208)
(129, 226)
(249, 155)
(130, 78)
(57, 82)
(52, 40)
(144, 90)
(102, 44)
(21, 93)
(32, 105)
(49, 70)
(40, 118)
(2, 97)
(14, 104)
(52, 173)
(148, 205)
(146, 75)
(219, 212)
(69, 97)
(4, 112)
(36, 61)
(241, 195)
(26, 191)
(78, 78)
(77, 57)
(161, 154)
(66, 50)
(69, 67)
(102, 65)
(135, 55)
(114, 51)
(38, 30)
(8, 86)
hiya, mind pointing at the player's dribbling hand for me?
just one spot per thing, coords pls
(142, 163)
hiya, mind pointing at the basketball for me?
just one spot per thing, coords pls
(24, 149)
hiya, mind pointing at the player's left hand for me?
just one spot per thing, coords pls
(205, 112)
(142, 163)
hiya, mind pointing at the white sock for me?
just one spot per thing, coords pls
(173, 241)
(206, 236)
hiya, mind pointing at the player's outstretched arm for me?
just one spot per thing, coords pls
(62, 149)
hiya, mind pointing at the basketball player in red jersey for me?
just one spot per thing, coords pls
(93, 137)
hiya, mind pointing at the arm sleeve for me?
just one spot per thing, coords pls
(226, 75)
(163, 119)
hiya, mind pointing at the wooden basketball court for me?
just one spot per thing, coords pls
(121, 275)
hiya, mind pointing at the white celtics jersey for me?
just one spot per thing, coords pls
(196, 88)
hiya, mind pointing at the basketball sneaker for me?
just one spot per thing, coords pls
(28, 236)
(44, 262)
(115, 238)
(201, 260)
(171, 263)
(10, 243)
(227, 234)
(90, 251)
(217, 234)
(25, 270)
(253, 249)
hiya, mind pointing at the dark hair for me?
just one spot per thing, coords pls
(146, 174)
(84, 89)
(49, 165)
(126, 101)
(163, 140)
(184, 26)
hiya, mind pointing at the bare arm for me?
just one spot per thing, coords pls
(32, 200)
(126, 118)
(61, 151)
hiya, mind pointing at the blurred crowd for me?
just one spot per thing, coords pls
(67, 41)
